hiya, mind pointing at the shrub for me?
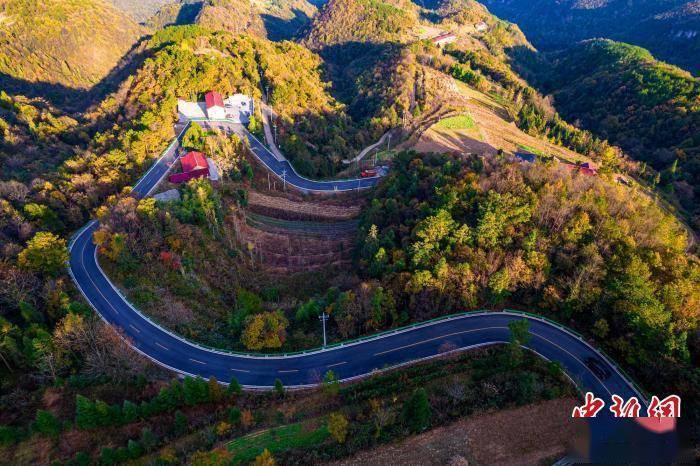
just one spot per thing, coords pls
(338, 427)
(8, 435)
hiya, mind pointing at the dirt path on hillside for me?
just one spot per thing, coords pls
(528, 435)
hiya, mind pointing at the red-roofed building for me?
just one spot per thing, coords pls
(443, 39)
(194, 165)
(584, 169)
(215, 105)
(588, 169)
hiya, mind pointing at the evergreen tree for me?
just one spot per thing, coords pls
(46, 423)
(108, 456)
(279, 388)
(234, 388)
(148, 439)
(134, 448)
(85, 413)
(130, 412)
(416, 411)
(181, 423)
(234, 416)
(195, 391)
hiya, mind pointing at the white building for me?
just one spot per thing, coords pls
(239, 107)
(481, 26)
(187, 111)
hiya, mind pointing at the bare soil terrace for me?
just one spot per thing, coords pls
(529, 435)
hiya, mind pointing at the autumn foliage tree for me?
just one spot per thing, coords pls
(45, 253)
(266, 330)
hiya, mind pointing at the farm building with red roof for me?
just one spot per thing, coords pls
(194, 165)
(444, 38)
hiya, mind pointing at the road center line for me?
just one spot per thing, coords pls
(137, 330)
(198, 362)
(436, 338)
(337, 364)
(288, 370)
(239, 370)
(162, 346)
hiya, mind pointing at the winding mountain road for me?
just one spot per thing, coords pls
(348, 361)
(283, 170)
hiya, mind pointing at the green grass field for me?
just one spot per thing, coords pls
(456, 123)
(245, 449)
(531, 150)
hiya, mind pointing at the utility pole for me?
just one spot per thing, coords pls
(268, 180)
(388, 141)
(284, 179)
(323, 318)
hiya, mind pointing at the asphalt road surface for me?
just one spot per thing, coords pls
(284, 170)
(354, 360)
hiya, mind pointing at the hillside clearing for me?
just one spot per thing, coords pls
(492, 130)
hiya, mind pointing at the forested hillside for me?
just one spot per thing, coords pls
(367, 58)
(444, 234)
(140, 10)
(669, 28)
(61, 43)
(361, 22)
(276, 20)
(621, 93)
(461, 16)
(231, 15)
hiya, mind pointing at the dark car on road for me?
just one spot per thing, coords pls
(598, 367)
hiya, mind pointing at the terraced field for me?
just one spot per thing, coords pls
(310, 228)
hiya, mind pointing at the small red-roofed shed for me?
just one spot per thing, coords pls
(194, 165)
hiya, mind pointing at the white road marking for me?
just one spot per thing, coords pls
(198, 362)
(239, 370)
(289, 370)
(337, 364)
(162, 346)
(436, 338)
(137, 330)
